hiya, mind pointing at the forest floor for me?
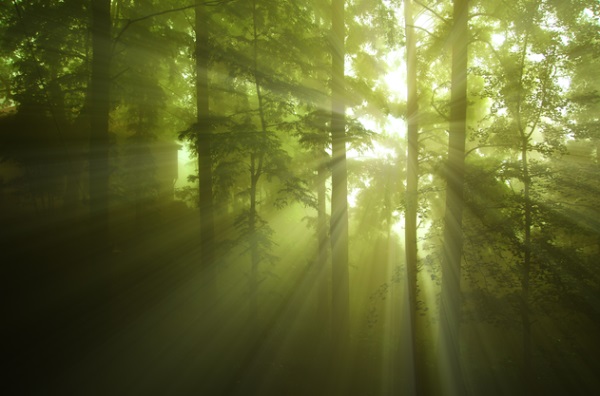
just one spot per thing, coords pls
(138, 323)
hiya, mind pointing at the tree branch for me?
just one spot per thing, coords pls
(432, 11)
(132, 21)
(487, 145)
(423, 29)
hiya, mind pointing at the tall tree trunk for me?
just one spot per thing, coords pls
(322, 240)
(256, 170)
(99, 92)
(339, 189)
(204, 150)
(528, 374)
(597, 166)
(254, 249)
(412, 185)
(450, 305)
(527, 369)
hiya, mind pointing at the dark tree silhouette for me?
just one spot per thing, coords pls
(203, 146)
(412, 199)
(450, 305)
(339, 180)
(99, 138)
(340, 288)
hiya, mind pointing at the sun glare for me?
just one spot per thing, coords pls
(396, 78)
(398, 227)
(187, 165)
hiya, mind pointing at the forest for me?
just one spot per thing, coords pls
(318, 197)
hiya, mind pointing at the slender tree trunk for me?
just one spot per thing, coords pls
(256, 169)
(339, 196)
(99, 157)
(527, 369)
(65, 156)
(100, 90)
(204, 150)
(450, 306)
(323, 241)
(525, 271)
(412, 185)
(254, 250)
(597, 163)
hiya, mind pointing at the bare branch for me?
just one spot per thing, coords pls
(149, 16)
(487, 145)
(423, 29)
(432, 11)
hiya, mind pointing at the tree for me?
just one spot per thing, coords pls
(45, 75)
(339, 183)
(450, 304)
(532, 99)
(254, 85)
(527, 126)
(313, 134)
(99, 110)
(204, 146)
(412, 180)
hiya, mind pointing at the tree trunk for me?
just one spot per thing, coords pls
(527, 369)
(322, 240)
(412, 185)
(256, 170)
(203, 147)
(99, 92)
(254, 249)
(450, 305)
(339, 190)
(528, 374)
